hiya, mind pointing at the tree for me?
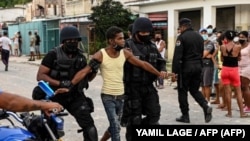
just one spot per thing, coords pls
(109, 13)
(12, 3)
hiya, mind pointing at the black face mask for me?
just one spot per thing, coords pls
(157, 39)
(118, 48)
(144, 38)
(242, 41)
(71, 47)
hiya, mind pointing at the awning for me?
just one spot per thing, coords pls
(158, 16)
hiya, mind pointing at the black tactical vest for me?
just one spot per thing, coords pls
(65, 68)
(135, 74)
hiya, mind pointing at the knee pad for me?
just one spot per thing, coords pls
(90, 134)
(136, 120)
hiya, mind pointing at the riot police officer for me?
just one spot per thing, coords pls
(57, 68)
(142, 97)
(187, 64)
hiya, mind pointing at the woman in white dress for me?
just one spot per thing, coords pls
(244, 69)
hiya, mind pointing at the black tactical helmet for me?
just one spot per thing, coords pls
(69, 32)
(142, 24)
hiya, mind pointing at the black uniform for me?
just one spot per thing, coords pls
(75, 102)
(142, 97)
(187, 64)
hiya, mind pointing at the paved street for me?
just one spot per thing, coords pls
(21, 79)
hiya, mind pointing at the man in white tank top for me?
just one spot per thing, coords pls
(161, 45)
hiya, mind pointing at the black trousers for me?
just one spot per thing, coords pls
(189, 81)
(141, 105)
(79, 107)
(5, 55)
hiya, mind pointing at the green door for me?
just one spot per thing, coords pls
(53, 38)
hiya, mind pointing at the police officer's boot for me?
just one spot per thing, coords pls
(207, 112)
(105, 136)
(184, 118)
(6, 67)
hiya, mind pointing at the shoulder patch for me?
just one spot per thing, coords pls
(178, 43)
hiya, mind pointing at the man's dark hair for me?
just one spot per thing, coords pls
(230, 34)
(157, 32)
(5, 33)
(245, 33)
(112, 31)
(220, 38)
(215, 30)
(209, 26)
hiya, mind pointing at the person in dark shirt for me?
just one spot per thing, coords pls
(37, 46)
(20, 43)
(187, 65)
(58, 68)
(142, 103)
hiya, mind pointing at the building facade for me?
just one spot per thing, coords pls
(221, 14)
(11, 15)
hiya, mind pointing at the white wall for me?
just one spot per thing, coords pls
(10, 14)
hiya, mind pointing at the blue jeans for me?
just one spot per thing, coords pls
(113, 106)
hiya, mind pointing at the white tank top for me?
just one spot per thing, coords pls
(112, 73)
(164, 49)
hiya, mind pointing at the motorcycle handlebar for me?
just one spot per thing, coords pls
(5, 114)
(15, 116)
(62, 114)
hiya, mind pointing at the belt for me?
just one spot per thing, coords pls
(114, 96)
(192, 61)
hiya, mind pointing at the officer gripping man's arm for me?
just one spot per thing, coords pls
(90, 69)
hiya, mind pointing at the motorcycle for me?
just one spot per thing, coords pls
(37, 127)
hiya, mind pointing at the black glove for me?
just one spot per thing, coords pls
(66, 84)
